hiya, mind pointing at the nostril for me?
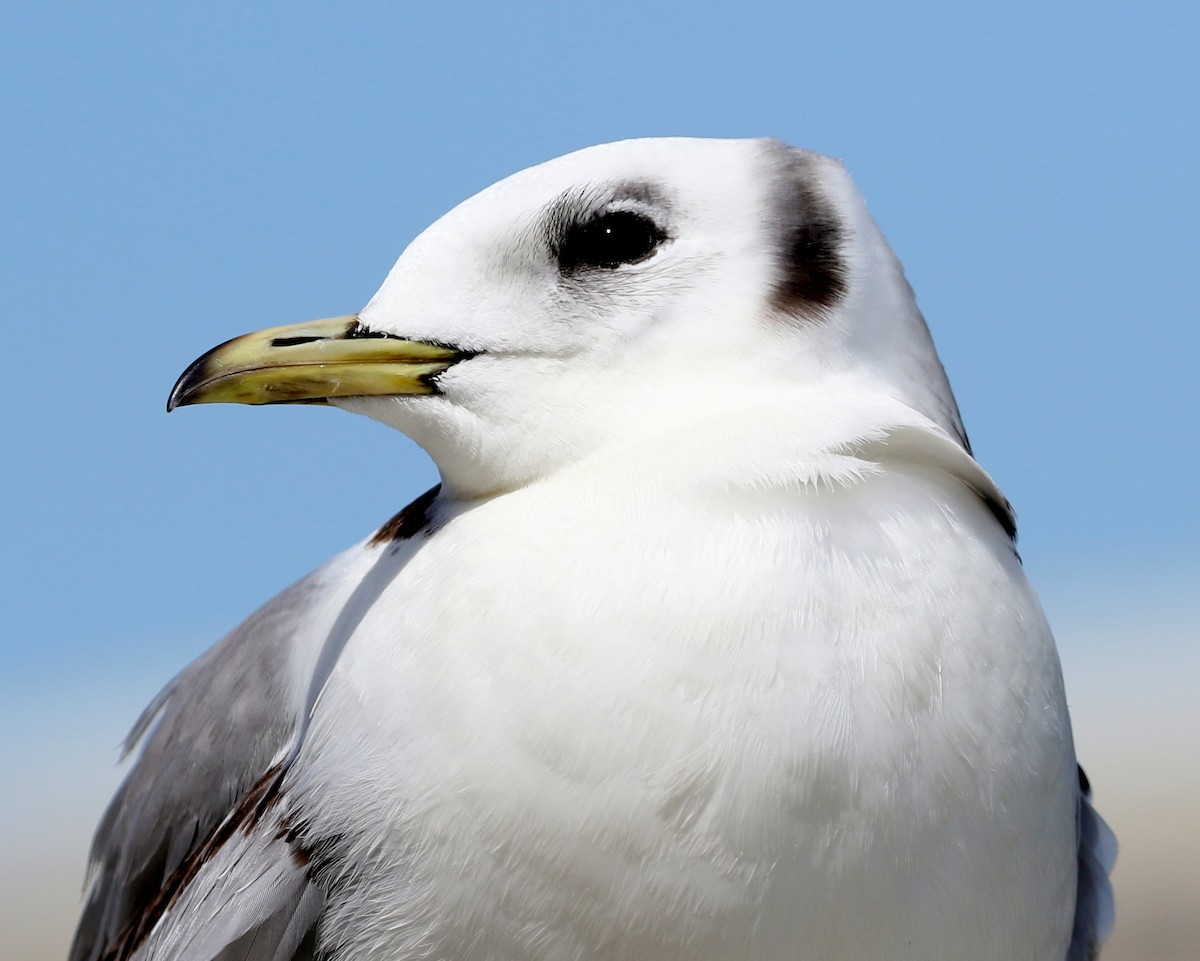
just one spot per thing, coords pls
(293, 341)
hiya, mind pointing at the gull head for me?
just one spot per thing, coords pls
(621, 293)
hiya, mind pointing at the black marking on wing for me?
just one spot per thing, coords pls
(1094, 897)
(408, 523)
(811, 273)
(321, 857)
(254, 804)
(1002, 510)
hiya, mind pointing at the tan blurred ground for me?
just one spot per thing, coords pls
(1132, 664)
(1147, 782)
(1137, 728)
(1158, 910)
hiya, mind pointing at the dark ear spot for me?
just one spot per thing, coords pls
(812, 274)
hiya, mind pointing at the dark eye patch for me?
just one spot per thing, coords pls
(608, 240)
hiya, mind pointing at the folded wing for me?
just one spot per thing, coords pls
(189, 857)
(1094, 894)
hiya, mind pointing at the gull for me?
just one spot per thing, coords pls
(712, 643)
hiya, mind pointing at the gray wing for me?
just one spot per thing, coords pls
(198, 799)
(1094, 895)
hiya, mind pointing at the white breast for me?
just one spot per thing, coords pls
(693, 721)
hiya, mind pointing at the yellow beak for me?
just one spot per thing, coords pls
(310, 363)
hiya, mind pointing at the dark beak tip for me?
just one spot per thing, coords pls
(179, 393)
(195, 374)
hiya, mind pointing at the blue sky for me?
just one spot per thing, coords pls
(176, 174)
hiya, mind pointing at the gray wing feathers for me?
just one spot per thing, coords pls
(1094, 910)
(252, 901)
(209, 736)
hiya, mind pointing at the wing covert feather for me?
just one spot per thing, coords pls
(207, 738)
(1094, 903)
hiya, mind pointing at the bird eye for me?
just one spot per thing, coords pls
(608, 241)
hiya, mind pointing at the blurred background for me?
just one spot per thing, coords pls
(173, 175)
